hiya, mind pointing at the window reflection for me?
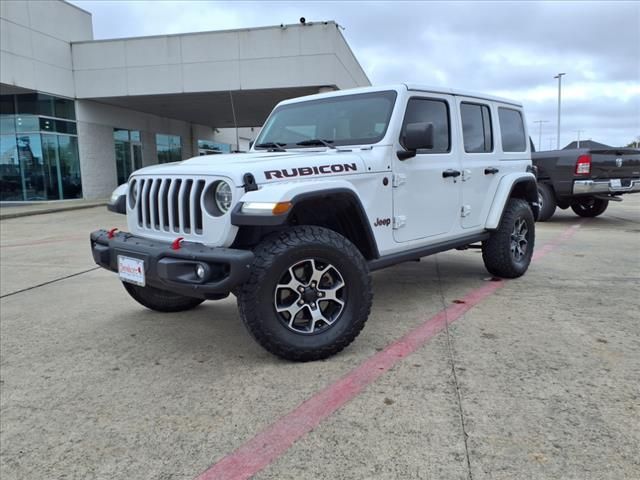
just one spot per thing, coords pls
(38, 148)
(169, 148)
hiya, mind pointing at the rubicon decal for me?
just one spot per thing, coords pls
(304, 171)
(382, 222)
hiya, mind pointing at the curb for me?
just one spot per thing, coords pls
(6, 216)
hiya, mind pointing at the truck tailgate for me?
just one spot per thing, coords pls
(618, 163)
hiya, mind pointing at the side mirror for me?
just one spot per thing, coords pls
(251, 144)
(416, 136)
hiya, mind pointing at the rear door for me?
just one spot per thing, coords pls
(480, 160)
(426, 204)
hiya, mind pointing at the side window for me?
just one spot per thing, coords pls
(431, 111)
(512, 130)
(476, 128)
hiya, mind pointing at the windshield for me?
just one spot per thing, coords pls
(345, 120)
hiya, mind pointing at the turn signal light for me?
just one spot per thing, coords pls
(583, 165)
(282, 207)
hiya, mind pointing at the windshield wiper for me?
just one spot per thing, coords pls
(316, 141)
(272, 146)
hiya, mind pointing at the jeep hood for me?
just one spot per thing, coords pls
(265, 166)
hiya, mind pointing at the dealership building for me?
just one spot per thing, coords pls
(79, 115)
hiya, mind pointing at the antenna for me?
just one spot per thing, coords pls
(235, 121)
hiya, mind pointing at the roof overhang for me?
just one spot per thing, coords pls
(242, 108)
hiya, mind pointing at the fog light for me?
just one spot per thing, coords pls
(200, 271)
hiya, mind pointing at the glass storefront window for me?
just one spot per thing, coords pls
(69, 164)
(60, 126)
(208, 147)
(7, 124)
(41, 104)
(10, 174)
(32, 166)
(128, 153)
(27, 123)
(7, 105)
(169, 148)
(38, 154)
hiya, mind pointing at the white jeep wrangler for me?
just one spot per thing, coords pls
(337, 185)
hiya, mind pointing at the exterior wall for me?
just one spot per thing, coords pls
(35, 49)
(272, 57)
(96, 122)
(228, 135)
(46, 46)
(97, 160)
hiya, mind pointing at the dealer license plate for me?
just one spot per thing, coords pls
(615, 183)
(131, 270)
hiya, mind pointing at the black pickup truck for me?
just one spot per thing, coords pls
(585, 179)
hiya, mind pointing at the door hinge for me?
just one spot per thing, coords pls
(398, 179)
(399, 221)
(466, 175)
(465, 210)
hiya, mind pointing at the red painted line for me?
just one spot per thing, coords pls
(276, 439)
(553, 244)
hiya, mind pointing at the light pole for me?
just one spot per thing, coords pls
(579, 131)
(559, 77)
(540, 122)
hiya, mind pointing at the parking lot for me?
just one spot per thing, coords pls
(534, 378)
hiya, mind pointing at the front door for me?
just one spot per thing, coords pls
(426, 193)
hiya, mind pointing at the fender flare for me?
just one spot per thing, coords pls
(525, 183)
(296, 193)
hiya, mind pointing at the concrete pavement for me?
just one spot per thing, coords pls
(540, 380)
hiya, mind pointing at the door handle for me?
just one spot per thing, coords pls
(450, 173)
(491, 171)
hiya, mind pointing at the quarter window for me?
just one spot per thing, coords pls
(512, 130)
(476, 128)
(430, 111)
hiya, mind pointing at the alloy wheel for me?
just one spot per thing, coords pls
(519, 241)
(310, 296)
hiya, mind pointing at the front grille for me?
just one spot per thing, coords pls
(172, 205)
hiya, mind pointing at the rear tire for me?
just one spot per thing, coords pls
(590, 207)
(309, 294)
(547, 201)
(161, 300)
(507, 253)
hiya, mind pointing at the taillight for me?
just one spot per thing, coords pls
(583, 165)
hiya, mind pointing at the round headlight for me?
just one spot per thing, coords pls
(223, 196)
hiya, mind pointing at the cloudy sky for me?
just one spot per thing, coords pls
(511, 49)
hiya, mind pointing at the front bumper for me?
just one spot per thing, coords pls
(585, 187)
(174, 270)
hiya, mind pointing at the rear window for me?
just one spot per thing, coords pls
(476, 128)
(512, 130)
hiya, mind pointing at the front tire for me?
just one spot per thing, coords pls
(507, 253)
(309, 294)
(547, 201)
(161, 300)
(590, 207)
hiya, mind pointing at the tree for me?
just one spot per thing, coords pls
(635, 143)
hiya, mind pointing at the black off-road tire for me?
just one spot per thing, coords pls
(273, 258)
(497, 252)
(590, 207)
(161, 300)
(547, 201)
